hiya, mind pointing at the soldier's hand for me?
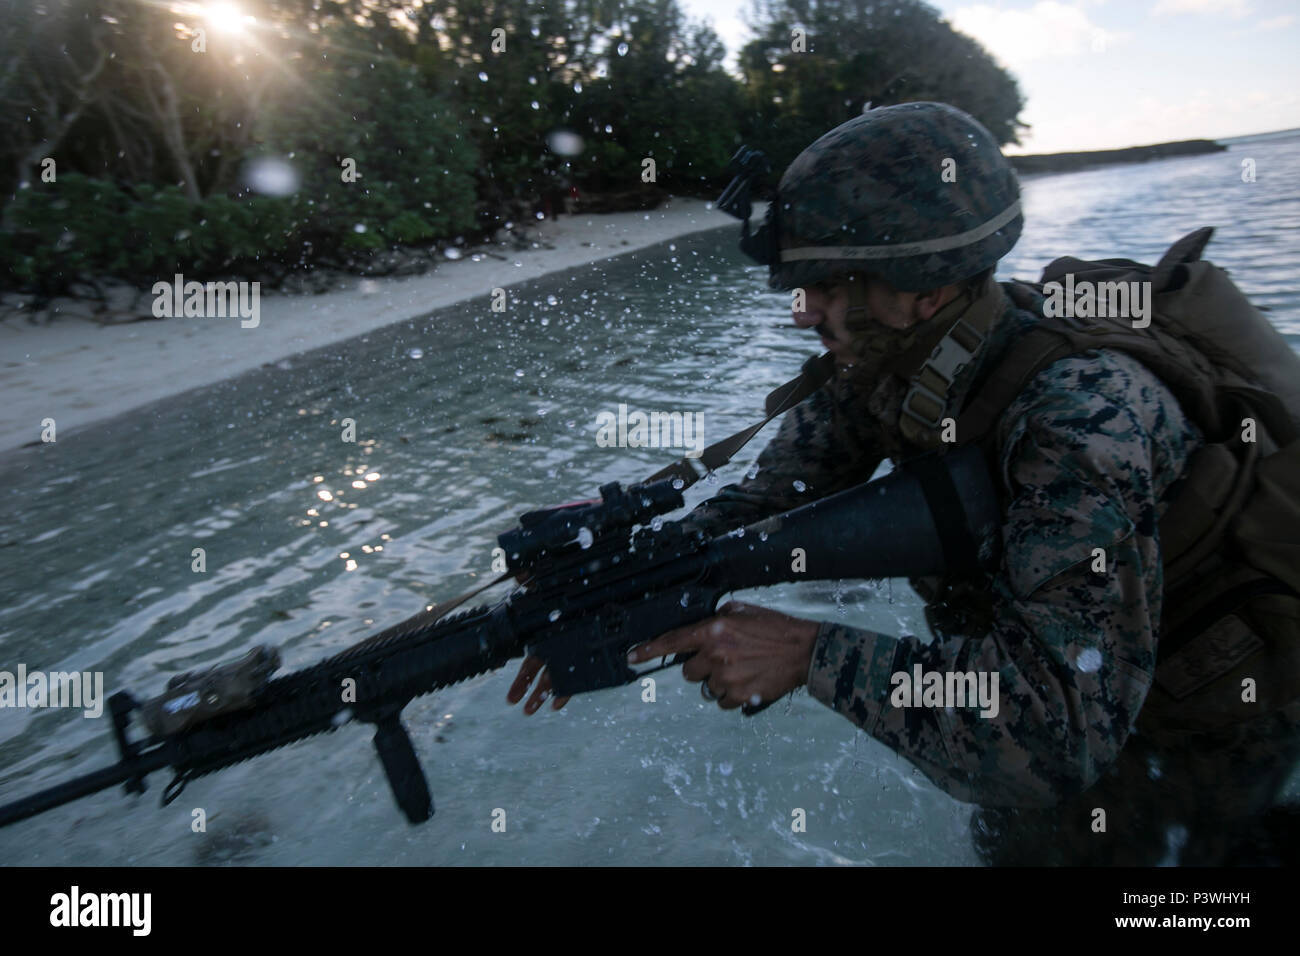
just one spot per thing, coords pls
(527, 671)
(747, 654)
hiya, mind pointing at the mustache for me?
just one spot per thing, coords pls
(819, 329)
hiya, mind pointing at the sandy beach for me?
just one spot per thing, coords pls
(77, 372)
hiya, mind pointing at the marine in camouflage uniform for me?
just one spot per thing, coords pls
(1087, 455)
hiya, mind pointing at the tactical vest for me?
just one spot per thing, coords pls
(1230, 537)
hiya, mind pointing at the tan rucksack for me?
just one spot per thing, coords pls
(1230, 539)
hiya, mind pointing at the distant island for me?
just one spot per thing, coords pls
(1068, 162)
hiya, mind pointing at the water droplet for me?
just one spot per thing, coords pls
(686, 600)
(565, 143)
(657, 523)
(585, 538)
(577, 86)
(359, 227)
(1089, 660)
(451, 252)
(415, 353)
(554, 615)
(271, 177)
(800, 486)
(483, 77)
(622, 49)
(519, 373)
(552, 300)
(678, 484)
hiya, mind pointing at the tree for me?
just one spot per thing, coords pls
(859, 52)
(659, 92)
(54, 57)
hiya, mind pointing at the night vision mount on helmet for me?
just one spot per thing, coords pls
(748, 166)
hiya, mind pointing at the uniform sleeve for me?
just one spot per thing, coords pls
(1072, 646)
(805, 461)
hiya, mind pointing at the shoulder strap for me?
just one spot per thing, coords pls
(926, 403)
(816, 372)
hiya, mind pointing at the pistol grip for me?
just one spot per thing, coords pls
(402, 767)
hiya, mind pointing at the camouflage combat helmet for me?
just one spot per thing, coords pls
(876, 195)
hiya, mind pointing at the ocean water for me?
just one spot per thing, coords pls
(465, 418)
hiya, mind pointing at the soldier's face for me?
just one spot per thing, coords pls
(826, 311)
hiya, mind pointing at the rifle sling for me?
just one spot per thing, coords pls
(816, 372)
(429, 616)
(960, 551)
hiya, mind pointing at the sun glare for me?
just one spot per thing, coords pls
(226, 17)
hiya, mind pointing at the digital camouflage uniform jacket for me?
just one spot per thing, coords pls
(1089, 450)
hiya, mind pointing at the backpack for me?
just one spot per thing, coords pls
(1230, 537)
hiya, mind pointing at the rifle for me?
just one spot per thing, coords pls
(602, 577)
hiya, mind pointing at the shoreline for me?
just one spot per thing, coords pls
(1038, 164)
(79, 372)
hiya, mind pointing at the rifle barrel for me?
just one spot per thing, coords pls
(82, 786)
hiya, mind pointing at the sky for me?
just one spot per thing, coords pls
(1105, 74)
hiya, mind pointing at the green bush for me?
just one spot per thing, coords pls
(415, 169)
(409, 227)
(55, 231)
(85, 226)
(416, 185)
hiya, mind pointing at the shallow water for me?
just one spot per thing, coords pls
(464, 419)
